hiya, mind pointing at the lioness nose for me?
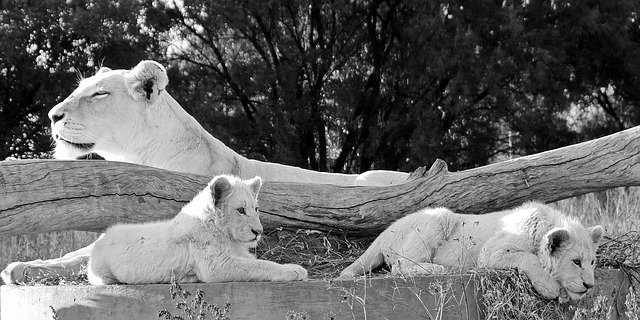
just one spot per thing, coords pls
(56, 115)
(587, 285)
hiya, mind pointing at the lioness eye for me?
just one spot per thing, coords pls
(241, 211)
(100, 93)
(577, 262)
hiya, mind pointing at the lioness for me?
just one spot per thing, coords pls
(555, 251)
(127, 115)
(207, 241)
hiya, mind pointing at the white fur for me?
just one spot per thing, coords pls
(207, 241)
(433, 241)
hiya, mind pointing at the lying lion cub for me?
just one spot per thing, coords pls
(207, 241)
(555, 251)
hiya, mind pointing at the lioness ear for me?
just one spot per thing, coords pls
(220, 189)
(146, 81)
(255, 185)
(597, 232)
(557, 239)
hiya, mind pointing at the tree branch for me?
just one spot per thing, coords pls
(607, 106)
(49, 195)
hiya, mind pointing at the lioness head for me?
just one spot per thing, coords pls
(102, 114)
(236, 208)
(572, 253)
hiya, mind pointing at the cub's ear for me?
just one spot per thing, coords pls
(597, 232)
(220, 189)
(146, 81)
(557, 239)
(255, 185)
(103, 70)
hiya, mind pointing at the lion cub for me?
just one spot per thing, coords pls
(207, 241)
(555, 251)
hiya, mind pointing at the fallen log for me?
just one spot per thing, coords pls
(50, 195)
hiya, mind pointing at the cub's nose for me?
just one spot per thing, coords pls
(256, 232)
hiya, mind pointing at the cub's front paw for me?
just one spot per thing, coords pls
(547, 289)
(564, 296)
(294, 272)
(14, 273)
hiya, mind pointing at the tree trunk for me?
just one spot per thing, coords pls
(47, 195)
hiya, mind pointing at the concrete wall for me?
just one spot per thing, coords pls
(381, 298)
(371, 299)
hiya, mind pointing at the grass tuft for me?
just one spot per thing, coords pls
(193, 307)
(632, 302)
(622, 251)
(324, 255)
(508, 294)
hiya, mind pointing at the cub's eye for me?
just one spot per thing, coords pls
(100, 94)
(257, 209)
(577, 262)
(241, 211)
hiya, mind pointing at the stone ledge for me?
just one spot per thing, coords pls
(377, 298)
(383, 298)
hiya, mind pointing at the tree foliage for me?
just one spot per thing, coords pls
(343, 86)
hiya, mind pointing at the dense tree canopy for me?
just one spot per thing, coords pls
(342, 86)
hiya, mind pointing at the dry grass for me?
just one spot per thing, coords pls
(618, 210)
(508, 294)
(192, 306)
(324, 255)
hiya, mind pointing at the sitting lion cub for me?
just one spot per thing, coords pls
(555, 251)
(207, 241)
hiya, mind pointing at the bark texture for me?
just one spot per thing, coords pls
(50, 195)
